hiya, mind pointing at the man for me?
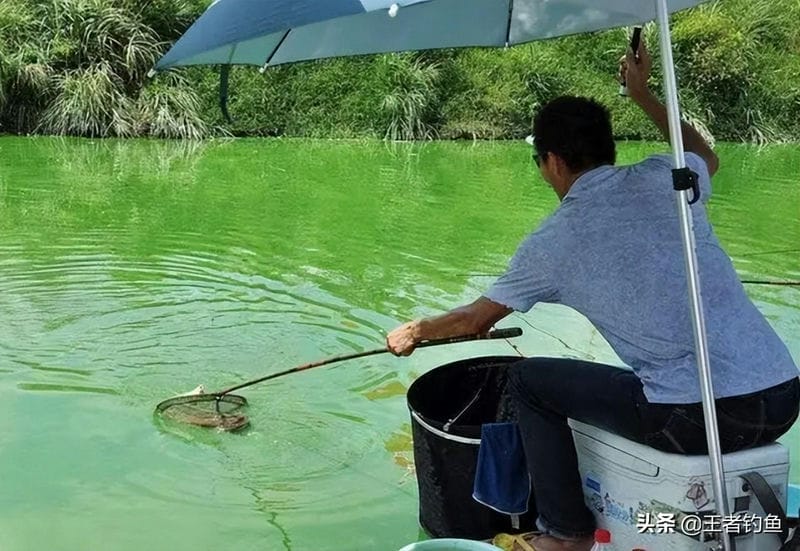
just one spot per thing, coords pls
(612, 252)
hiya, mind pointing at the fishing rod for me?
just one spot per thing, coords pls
(775, 282)
(784, 283)
(774, 251)
(767, 282)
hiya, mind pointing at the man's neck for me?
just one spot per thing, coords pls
(570, 181)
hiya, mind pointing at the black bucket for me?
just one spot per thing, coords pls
(446, 455)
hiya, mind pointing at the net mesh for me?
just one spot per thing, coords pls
(206, 410)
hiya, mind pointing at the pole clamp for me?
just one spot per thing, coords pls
(683, 179)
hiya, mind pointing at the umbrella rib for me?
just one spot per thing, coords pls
(275, 49)
(233, 52)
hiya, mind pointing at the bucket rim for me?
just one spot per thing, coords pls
(451, 365)
(440, 433)
(473, 545)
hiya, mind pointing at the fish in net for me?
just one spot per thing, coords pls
(222, 411)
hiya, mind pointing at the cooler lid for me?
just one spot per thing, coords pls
(685, 465)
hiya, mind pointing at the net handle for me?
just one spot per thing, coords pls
(508, 333)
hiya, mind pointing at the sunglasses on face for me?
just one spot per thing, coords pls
(537, 158)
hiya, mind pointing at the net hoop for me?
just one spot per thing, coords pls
(225, 418)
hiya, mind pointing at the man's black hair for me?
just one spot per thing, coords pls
(576, 129)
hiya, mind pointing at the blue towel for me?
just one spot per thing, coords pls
(502, 481)
(793, 507)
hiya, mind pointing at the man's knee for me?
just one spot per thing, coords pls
(522, 380)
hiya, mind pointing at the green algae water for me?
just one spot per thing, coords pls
(131, 271)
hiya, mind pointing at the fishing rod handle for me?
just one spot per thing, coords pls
(508, 333)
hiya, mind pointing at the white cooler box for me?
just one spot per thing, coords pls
(625, 482)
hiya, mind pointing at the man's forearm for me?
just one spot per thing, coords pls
(470, 319)
(454, 323)
(692, 140)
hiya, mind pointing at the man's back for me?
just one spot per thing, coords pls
(612, 251)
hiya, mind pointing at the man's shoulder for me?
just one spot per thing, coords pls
(661, 162)
(665, 160)
(656, 161)
(543, 237)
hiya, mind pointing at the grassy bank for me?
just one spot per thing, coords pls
(78, 67)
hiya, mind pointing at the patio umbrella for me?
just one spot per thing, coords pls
(272, 32)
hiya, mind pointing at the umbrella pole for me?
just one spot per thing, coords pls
(692, 275)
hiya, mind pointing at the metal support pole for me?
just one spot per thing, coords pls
(692, 273)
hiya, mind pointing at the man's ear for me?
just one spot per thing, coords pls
(558, 165)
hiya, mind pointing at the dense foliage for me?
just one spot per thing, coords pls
(79, 67)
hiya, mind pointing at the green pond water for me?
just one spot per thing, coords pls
(131, 271)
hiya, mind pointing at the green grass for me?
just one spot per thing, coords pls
(78, 67)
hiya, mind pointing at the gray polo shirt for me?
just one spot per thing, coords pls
(612, 251)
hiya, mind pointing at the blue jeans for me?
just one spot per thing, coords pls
(547, 391)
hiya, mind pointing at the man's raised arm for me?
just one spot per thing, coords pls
(635, 75)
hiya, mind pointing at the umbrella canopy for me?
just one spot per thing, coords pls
(272, 32)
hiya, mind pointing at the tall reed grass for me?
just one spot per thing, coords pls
(79, 66)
